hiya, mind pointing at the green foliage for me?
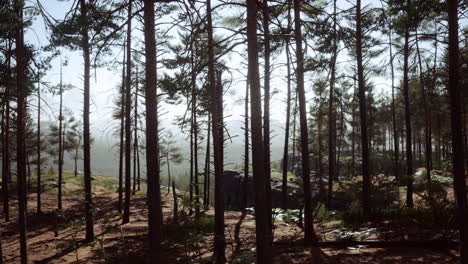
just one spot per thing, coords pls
(433, 218)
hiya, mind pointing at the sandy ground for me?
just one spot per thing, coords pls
(116, 243)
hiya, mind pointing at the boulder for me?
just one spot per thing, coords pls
(234, 190)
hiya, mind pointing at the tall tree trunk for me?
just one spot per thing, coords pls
(21, 133)
(266, 112)
(340, 139)
(246, 147)
(353, 132)
(206, 198)
(135, 143)
(219, 243)
(456, 110)
(60, 141)
(262, 227)
(320, 146)
(6, 175)
(168, 169)
(294, 140)
(366, 188)
(331, 114)
(309, 233)
(122, 128)
(409, 153)
(427, 119)
(195, 129)
(396, 151)
(128, 118)
(86, 133)
(39, 162)
(284, 186)
(191, 150)
(152, 135)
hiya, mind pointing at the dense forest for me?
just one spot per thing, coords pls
(371, 98)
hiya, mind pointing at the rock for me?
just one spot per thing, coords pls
(234, 192)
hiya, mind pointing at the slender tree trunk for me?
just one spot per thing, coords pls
(409, 153)
(353, 141)
(86, 132)
(138, 170)
(39, 161)
(266, 113)
(195, 130)
(340, 140)
(427, 119)
(284, 185)
(28, 186)
(366, 188)
(122, 128)
(309, 233)
(128, 118)
(191, 150)
(135, 144)
(168, 171)
(396, 152)
(152, 137)
(456, 110)
(331, 114)
(246, 147)
(76, 160)
(175, 210)
(206, 199)
(60, 141)
(263, 241)
(21, 133)
(353, 132)
(294, 140)
(219, 243)
(6, 175)
(320, 147)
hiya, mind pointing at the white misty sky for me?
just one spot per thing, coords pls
(104, 84)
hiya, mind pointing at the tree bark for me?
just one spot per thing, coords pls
(135, 142)
(194, 126)
(122, 128)
(152, 135)
(39, 162)
(409, 153)
(309, 233)
(266, 113)
(284, 186)
(396, 151)
(366, 188)
(427, 119)
(262, 227)
(320, 147)
(86, 133)
(206, 195)
(331, 115)
(246, 146)
(456, 110)
(219, 243)
(128, 118)
(21, 133)
(60, 141)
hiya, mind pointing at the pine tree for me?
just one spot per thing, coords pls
(152, 135)
(258, 155)
(455, 95)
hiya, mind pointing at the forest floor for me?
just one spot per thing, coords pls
(57, 238)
